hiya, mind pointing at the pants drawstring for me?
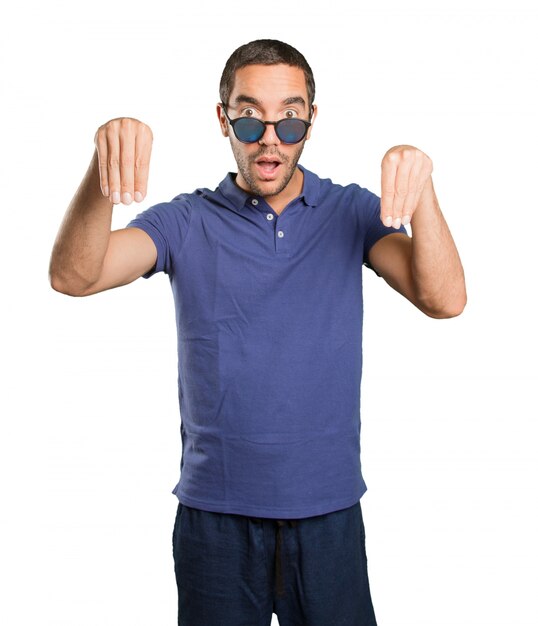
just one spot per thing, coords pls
(279, 552)
(279, 555)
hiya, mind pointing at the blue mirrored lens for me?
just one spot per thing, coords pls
(249, 130)
(291, 131)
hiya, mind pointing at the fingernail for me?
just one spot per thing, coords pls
(126, 198)
(138, 196)
(397, 223)
(116, 197)
(406, 219)
(388, 220)
(106, 191)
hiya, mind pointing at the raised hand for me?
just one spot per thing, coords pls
(405, 171)
(124, 151)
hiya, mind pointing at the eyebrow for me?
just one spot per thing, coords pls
(295, 100)
(243, 99)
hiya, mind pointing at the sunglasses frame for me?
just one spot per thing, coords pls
(266, 123)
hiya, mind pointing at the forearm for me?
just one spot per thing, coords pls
(82, 240)
(436, 267)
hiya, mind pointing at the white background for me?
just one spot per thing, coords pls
(89, 431)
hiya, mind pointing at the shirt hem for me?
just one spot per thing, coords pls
(270, 512)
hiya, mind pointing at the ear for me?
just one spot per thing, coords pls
(312, 118)
(222, 120)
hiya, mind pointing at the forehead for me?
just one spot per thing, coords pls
(269, 83)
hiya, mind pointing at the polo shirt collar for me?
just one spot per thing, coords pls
(239, 197)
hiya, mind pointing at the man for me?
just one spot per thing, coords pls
(266, 273)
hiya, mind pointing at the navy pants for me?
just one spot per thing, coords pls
(235, 570)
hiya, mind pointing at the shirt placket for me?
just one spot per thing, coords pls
(279, 225)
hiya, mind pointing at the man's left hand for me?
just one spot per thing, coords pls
(405, 170)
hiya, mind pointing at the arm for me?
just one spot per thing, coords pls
(87, 257)
(426, 268)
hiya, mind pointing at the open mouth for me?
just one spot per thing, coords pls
(268, 167)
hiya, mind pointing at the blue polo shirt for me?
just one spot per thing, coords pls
(269, 331)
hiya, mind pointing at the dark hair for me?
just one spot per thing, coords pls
(264, 52)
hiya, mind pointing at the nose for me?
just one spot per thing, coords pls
(269, 137)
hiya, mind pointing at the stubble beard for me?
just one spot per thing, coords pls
(244, 164)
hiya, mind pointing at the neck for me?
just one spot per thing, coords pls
(293, 189)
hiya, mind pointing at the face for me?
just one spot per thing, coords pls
(268, 92)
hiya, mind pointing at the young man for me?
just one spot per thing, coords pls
(266, 273)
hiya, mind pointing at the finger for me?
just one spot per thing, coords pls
(127, 159)
(100, 143)
(411, 199)
(143, 144)
(113, 163)
(424, 176)
(388, 180)
(401, 186)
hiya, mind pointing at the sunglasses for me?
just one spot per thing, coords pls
(249, 129)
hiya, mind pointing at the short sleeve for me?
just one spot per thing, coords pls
(371, 224)
(167, 224)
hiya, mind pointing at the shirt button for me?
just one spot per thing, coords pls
(254, 202)
(281, 233)
(270, 216)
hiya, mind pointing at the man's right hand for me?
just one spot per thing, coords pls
(124, 150)
(87, 257)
